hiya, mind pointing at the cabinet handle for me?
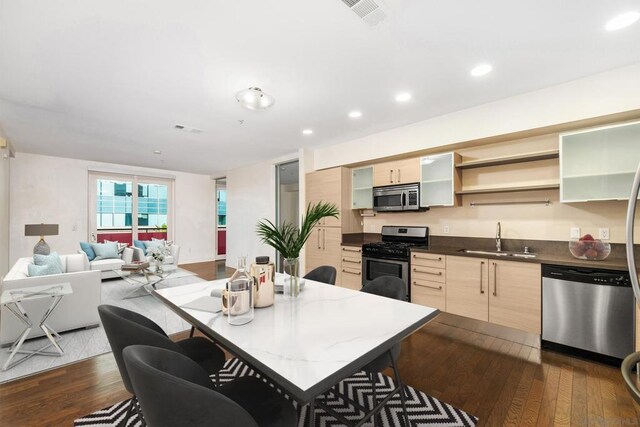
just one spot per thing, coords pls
(439, 273)
(352, 250)
(391, 176)
(351, 272)
(324, 239)
(319, 247)
(351, 261)
(427, 258)
(495, 279)
(437, 288)
(398, 175)
(481, 290)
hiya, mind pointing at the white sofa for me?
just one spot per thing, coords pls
(139, 255)
(106, 266)
(78, 310)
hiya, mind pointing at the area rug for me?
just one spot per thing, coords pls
(423, 410)
(85, 343)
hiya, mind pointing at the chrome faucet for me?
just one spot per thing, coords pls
(498, 238)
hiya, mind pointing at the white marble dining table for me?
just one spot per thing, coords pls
(307, 344)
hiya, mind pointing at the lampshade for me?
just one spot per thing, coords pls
(255, 99)
(41, 229)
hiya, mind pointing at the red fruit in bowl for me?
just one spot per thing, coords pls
(587, 237)
(579, 248)
(591, 254)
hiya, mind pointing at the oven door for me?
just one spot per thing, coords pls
(373, 268)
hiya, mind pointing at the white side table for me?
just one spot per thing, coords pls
(12, 299)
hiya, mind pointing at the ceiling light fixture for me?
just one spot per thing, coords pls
(307, 132)
(255, 99)
(623, 20)
(481, 70)
(355, 114)
(403, 97)
(157, 152)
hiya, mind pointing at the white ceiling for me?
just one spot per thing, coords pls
(107, 80)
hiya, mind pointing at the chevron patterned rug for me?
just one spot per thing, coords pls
(423, 410)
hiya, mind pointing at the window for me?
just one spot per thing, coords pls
(222, 208)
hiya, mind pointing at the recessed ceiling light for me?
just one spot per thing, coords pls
(307, 132)
(355, 114)
(157, 152)
(403, 97)
(481, 70)
(623, 20)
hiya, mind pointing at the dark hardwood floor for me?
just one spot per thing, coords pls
(501, 382)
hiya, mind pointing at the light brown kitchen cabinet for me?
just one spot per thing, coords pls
(323, 248)
(428, 280)
(467, 287)
(515, 298)
(350, 275)
(396, 172)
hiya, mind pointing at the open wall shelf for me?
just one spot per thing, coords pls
(506, 160)
(509, 189)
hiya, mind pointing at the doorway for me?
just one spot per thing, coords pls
(221, 219)
(287, 198)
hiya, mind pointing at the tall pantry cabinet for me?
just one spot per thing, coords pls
(324, 245)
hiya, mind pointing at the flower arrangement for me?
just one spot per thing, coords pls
(159, 253)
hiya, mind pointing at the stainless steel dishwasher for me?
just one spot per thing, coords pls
(588, 309)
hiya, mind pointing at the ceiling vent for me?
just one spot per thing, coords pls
(188, 129)
(372, 12)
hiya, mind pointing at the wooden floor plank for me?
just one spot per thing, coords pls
(563, 404)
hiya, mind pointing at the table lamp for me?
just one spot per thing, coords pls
(41, 230)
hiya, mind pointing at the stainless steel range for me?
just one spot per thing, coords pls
(391, 256)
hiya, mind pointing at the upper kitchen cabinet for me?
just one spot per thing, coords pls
(440, 180)
(362, 188)
(333, 186)
(599, 164)
(396, 172)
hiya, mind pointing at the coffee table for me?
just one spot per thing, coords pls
(145, 279)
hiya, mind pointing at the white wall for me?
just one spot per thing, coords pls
(4, 211)
(598, 95)
(55, 190)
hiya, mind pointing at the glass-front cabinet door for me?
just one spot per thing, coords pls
(599, 164)
(439, 180)
(362, 188)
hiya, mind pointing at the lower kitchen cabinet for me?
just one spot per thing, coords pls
(515, 300)
(467, 287)
(506, 293)
(350, 275)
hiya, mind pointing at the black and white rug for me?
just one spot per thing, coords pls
(423, 410)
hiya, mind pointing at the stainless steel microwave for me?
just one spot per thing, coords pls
(397, 198)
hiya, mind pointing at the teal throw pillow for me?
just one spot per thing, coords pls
(52, 260)
(42, 270)
(87, 249)
(105, 250)
(140, 244)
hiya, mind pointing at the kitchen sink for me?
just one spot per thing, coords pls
(499, 253)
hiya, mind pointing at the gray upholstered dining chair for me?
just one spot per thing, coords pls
(125, 327)
(628, 364)
(174, 391)
(324, 274)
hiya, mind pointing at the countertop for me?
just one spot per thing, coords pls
(547, 251)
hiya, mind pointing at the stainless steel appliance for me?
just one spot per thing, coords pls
(391, 256)
(588, 309)
(397, 198)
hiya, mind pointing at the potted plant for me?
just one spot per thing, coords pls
(289, 240)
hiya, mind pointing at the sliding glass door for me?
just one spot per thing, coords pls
(124, 208)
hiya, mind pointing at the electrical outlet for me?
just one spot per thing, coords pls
(603, 233)
(575, 233)
(446, 229)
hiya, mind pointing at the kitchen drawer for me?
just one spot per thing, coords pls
(427, 260)
(430, 294)
(431, 274)
(352, 262)
(351, 278)
(352, 251)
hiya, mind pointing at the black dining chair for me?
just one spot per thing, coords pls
(174, 391)
(390, 287)
(125, 327)
(395, 288)
(324, 274)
